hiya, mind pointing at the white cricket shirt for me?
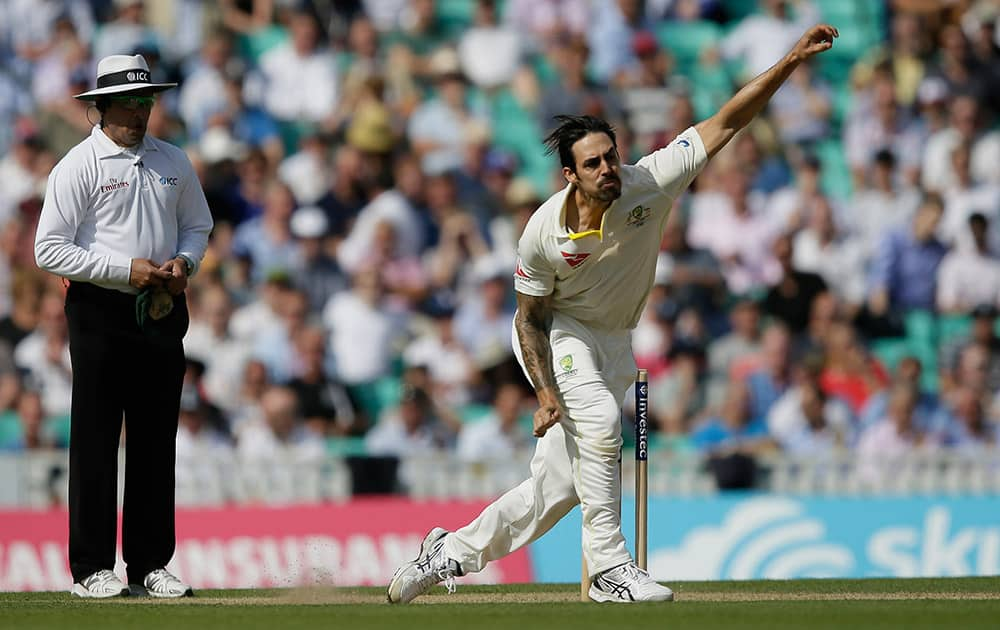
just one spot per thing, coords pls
(601, 278)
(105, 204)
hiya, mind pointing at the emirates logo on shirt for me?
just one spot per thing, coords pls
(114, 184)
(574, 260)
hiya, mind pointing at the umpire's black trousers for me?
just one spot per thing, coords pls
(118, 369)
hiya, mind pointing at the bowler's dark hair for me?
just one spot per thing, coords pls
(571, 129)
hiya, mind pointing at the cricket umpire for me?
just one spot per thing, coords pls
(126, 222)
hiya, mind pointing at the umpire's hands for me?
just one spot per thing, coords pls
(549, 412)
(144, 273)
(178, 281)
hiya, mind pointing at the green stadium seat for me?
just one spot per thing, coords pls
(346, 446)
(920, 328)
(835, 179)
(890, 351)
(474, 412)
(687, 40)
(951, 327)
(738, 9)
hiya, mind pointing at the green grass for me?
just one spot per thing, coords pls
(963, 603)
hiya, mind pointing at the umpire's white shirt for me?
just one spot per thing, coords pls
(106, 204)
(601, 278)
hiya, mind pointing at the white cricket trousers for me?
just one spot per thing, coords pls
(575, 462)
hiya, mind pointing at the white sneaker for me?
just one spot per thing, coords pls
(160, 583)
(429, 568)
(628, 583)
(101, 585)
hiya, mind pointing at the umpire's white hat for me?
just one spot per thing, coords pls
(123, 73)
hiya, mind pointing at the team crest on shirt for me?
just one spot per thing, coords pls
(638, 216)
(566, 363)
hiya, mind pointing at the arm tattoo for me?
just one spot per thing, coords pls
(533, 321)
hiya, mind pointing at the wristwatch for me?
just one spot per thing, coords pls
(188, 264)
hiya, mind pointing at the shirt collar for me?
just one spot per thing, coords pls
(106, 147)
(565, 232)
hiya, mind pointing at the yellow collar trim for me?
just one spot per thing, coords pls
(575, 236)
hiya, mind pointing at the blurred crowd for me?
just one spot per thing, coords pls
(831, 281)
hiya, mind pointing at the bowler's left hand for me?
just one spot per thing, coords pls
(178, 282)
(816, 40)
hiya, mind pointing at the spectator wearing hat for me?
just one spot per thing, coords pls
(317, 274)
(440, 129)
(969, 277)
(124, 214)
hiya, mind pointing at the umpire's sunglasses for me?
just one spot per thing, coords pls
(134, 102)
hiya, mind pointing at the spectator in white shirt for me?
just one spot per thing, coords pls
(884, 444)
(451, 367)
(203, 93)
(278, 435)
(210, 341)
(301, 74)
(732, 226)
(969, 277)
(965, 197)
(44, 355)
(806, 422)
(824, 249)
(204, 454)
(409, 430)
(882, 124)
(498, 436)
(19, 177)
(885, 203)
(366, 329)
(489, 52)
(967, 128)
(761, 39)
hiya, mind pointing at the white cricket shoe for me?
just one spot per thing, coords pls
(100, 585)
(429, 568)
(628, 583)
(160, 583)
